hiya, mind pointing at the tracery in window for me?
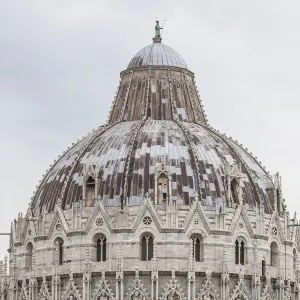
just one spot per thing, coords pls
(59, 251)
(147, 247)
(101, 248)
(239, 251)
(198, 248)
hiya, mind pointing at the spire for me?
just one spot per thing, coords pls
(157, 38)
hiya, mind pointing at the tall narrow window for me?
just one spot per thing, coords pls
(239, 252)
(28, 259)
(273, 254)
(90, 190)
(162, 188)
(197, 247)
(101, 248)
(295, 260)
(61, 252)
(263, 268)
(233, 188)
(147, 247)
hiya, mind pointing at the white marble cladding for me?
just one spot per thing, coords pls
(172, 228)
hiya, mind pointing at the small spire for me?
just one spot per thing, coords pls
(157, 38)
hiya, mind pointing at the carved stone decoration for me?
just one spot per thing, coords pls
(288, 294)
(173, 291)
(44, 293)
(72, 292)
(267, 293)
(240, 291)
(234, 174)
(162, 170)
(24, 290)
(103, 290)
(208, 291)
(137, 290)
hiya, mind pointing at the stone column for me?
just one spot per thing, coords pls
(225, 276)
(120, 276)
(255, 276)
(154, 275)
(191, 272)
(87, 275)
(55, 286)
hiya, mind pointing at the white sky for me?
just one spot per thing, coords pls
(60, 64)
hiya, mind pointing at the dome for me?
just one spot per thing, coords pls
(157, 54)
(156, 192)
(107, 152)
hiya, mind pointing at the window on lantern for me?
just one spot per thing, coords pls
(197, 247)
(162, 188)
(239, 252)
(101, 248)
(147, 247)
(90, 189)
(273, 254)
(233, 189)
(29, 249)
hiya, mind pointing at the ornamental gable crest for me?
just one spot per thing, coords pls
(173, 291)
(162, 168)
(89, 170)
(98, 217)
(240, 291)
(137, 290)
(103, 290)
(72, 292)
(208, 291)
(44, 291)
(267, 293)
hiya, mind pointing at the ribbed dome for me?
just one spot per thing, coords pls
(111, 153)
(157, 54)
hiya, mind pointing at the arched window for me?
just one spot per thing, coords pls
(294, 260)
(197, 247)
(90, 189)
(240, 251)
(59, 251)
(263, 268)
(162, 188)
(147, 247)
(273, 254)
(233, 189)
(28, 258)
(101, 248)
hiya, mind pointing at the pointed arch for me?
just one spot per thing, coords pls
(28, 259)
(274, 251)
(240, 251)
(147, 241)
(198, 247)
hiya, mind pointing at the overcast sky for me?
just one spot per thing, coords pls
(60, 62)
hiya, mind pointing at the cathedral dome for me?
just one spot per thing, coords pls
(125, 158)
(157, 54)
(157, 126)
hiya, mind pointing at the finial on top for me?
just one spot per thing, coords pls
(157, 38)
